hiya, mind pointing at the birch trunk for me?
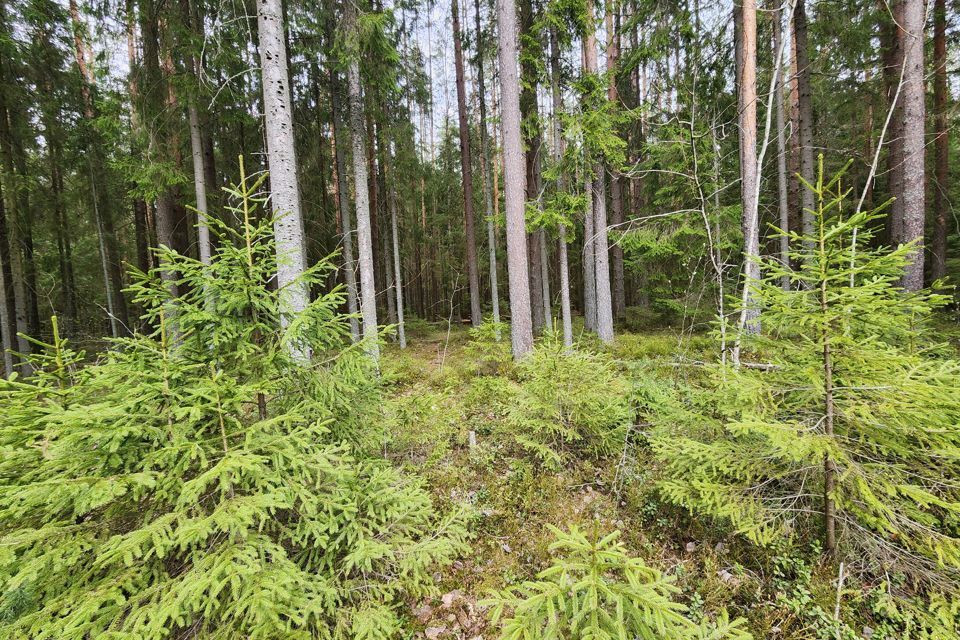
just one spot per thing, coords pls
(281, 155)
(514, 182)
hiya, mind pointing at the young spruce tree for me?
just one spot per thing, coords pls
(852, 419)
(212, 486)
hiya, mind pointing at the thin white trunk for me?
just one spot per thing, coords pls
(514, 182)
(281, 155)
(368, 292)
(199, 184)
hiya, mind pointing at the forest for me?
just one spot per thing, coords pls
(479, 320)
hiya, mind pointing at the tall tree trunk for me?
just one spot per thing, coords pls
(914, 121)
(589, 260)
(341, 186)
(281, 154)
(533, 141)
(805, 109)
(892, 43)
(747, 94)
(601, 255)
(938, 256)
(616, 184)
(559, 148)
(486, 166)
(514, 182)
(95, 157)
(783, 204)
(8, 309)
(397, 269)
(200, 172)
(473, 275)
(368, 292)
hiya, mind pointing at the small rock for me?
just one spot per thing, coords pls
(720, 547)
(433, 633)
(450, 598)
(506, 547)
(423, 614)
(691, 547)
(867, 632)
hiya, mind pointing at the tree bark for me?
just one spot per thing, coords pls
(101, 203)
(914, 121)
(938, 255)
(343, 202)
(473, 275)
(8, 309)
(559, 148)
(616, 183)
(601, 256)
(486, 167)
(514, 182)
(281, 154)
(749, 177)
(891, 44)
(805, 110)
(368, 299)
(783, 204)
(397, 269)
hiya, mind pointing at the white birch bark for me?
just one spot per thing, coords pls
(281, 155)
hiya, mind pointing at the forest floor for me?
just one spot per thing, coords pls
(438, 395)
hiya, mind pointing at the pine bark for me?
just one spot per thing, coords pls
(914, 121)
(8, 310)
(891, 43)
(343, 204)
(101, 204)
(938, 255)
(486, 167)
(616, 182)
(473, 271)
(559, 148)
(783, 201)
(805, 112)
(368, 299)
(601, 255)
(514, 182)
